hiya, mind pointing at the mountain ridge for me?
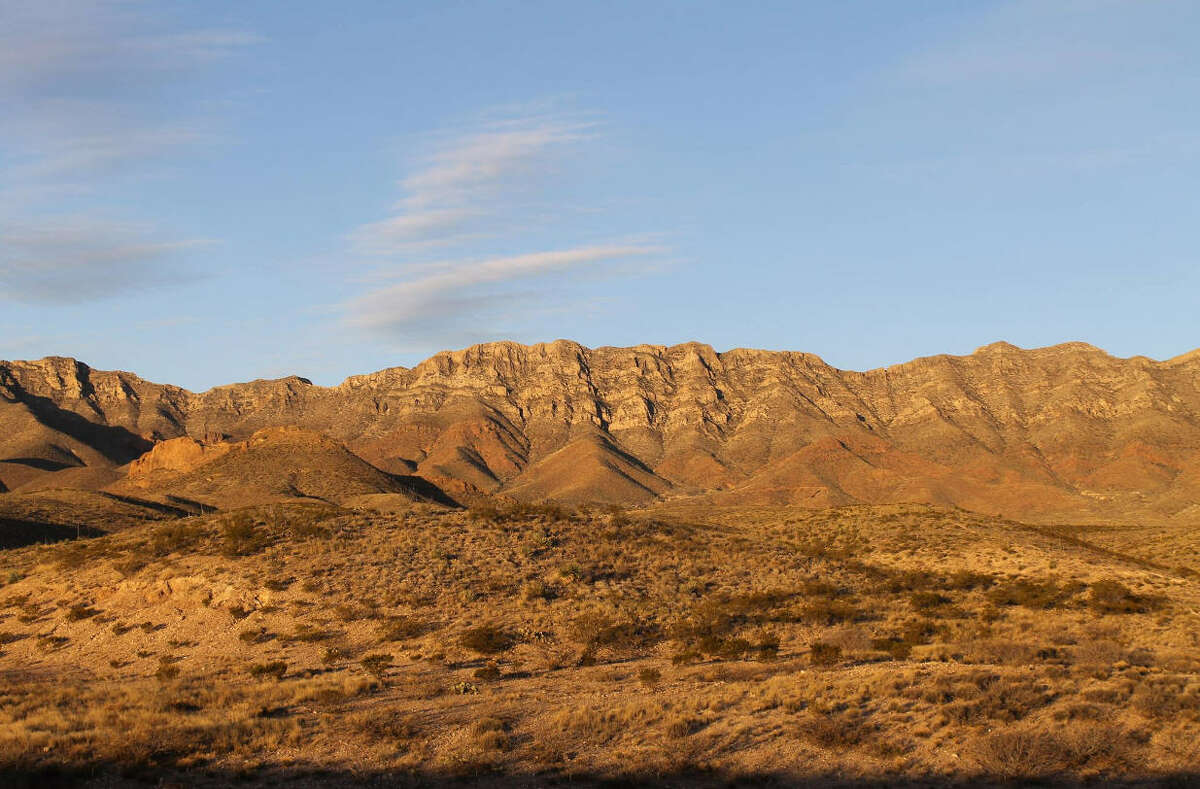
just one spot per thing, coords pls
(356, 379)
(1062, 431)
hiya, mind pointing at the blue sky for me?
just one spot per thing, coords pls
(211, 192)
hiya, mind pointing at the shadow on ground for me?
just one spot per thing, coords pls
(17, 533)
(104, 775)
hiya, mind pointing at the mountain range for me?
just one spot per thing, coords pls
(1067, 432)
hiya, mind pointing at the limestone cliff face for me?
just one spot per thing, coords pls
(1060, 432)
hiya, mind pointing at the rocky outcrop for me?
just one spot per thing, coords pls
(273, 464)
(177, 455)
(1061, 432)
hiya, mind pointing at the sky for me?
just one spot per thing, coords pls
(212, 192)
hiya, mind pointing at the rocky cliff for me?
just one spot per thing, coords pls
(1067, 432)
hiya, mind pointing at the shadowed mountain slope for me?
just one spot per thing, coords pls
(61, 514)
(1066, 431)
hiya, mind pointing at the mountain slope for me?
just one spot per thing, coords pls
(274, 464)
(1066, 431)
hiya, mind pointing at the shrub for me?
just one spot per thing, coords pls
(1165, 698)
(727, 648)
(376, 665)
(1021, 753)
(51, 643)
(1008, 699)
(920, 631)
(649, 677)
(926, 601)
(1033, 594)
(175, 538)
(166, 668)
(821, 589)
(305, 524)
(399, 628)
(80, 611)
(910, 581)
(308, 634)
(484, 511)
(349, 613)
(1113, 597)
(899, 649)
(822, 654)
(491, 734)
(488, 673)
(1028, 753)
(388, 725)
(683, 726)
(711, 618)
(965, 580)
(240, 537)
(129, 567)
(829, 612)
(836, 731)
(487, 640)
(539, 590)
(274, 669)
(492, 512)
(767, 646)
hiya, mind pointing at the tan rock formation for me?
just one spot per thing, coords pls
(1052, 433)
(176, 455)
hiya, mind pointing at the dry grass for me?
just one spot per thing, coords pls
(890, 644)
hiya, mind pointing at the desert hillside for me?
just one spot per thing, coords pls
(515, 566)
(1061, 433)
(303, 644)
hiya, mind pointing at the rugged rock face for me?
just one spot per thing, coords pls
(177, 455)
(1052, 433)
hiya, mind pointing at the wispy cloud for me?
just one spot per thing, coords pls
(68, 160)
(76, 259)
(65, 44)
(487, 193)
(467, 180)
(196, 44)
(424, 303)
(82, 83)
(1058, 40)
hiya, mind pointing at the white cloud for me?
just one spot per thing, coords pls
(403, 231)
(497, 186)
(424, 304)
(468, 180)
